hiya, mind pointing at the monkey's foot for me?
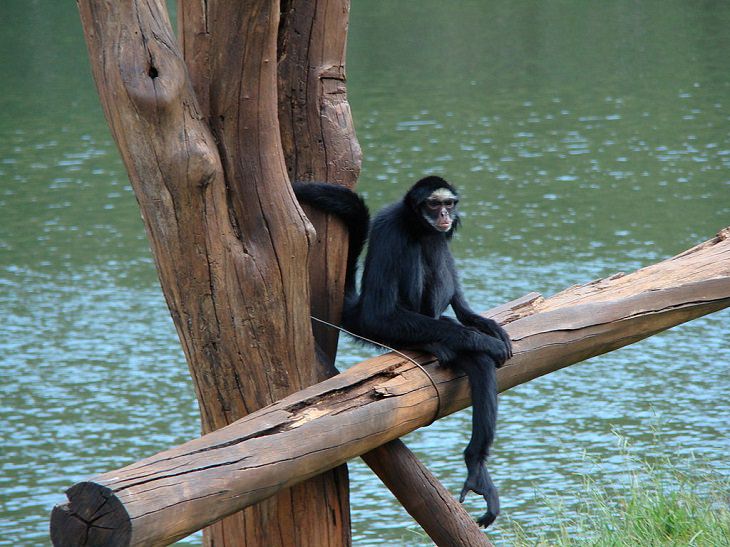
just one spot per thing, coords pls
(479, 482)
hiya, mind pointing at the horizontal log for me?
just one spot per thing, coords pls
(176, 492)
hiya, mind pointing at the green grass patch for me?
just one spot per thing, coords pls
(663, 506)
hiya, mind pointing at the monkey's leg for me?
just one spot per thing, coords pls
(481, 370)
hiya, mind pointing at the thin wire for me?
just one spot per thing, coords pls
(408, 358)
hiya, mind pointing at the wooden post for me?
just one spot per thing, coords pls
(318, 136)
(228, 237)
(167, 496)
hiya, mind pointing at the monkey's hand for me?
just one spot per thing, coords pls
(479, 482)
(494, 347)
(492, 328)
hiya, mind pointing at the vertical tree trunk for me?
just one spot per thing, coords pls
(318, 136)
(319, 141)
(229, 240)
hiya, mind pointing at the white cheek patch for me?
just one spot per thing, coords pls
(434, 215)
(442, 194)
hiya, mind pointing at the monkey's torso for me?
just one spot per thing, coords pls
(427, 259)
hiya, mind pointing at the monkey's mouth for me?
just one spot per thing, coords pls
(444, 225)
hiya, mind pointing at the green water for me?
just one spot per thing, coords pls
(587, 138)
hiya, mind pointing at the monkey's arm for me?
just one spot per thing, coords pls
(382, 315)
(471, 319)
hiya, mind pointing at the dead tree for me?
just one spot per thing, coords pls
(230, 243)
(169, 495)
(198, 128)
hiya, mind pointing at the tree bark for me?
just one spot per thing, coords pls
(318, 137)
(420, 493)
(176, 492)
(218, 211)
(229, 240)
(319, 141)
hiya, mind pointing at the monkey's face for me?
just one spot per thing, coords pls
(439, 209)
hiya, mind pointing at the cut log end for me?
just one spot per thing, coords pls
(92, 516)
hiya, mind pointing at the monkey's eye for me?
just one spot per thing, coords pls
(435, 204)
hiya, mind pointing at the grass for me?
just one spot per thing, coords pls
(662, 507)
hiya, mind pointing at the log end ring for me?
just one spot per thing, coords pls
(93, 515)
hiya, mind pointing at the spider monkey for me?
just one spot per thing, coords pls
(409, 280)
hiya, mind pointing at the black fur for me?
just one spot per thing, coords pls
(408, 281)
(350, 208)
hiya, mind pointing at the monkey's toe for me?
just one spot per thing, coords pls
(486, 519)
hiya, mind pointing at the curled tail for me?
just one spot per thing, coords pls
(350, 209)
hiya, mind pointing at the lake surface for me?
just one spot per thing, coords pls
(587, 138)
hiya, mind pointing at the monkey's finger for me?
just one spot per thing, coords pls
(507, 342)
(464, 492)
